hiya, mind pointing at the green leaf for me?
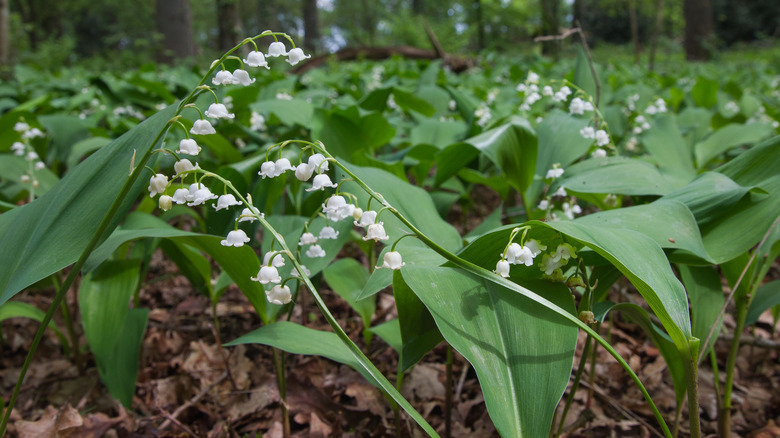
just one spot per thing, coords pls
(390, 332)
(616, 175)
(669, 223)
(83, 148)
(410, 102)
(583, 76)
(437, 132)
(512, 147)
(417, 328)
(290, 112)
(669, 150)
(104, 298)
(347, 277)
(706, 296)
(767, 297)
(728, 137)
(12, 168)
(705, 92)
(66, 130)
(50, 233)
(18, 309)
(510, 340)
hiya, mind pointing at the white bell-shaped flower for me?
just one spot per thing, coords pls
(319, 162)
(304, 171)
(554, 173)
(502, 268)
(367, 218)
(306, 272)
(248, 215)
(337, 208)
(320, 182)
(376, 232)
(256, 59)
(200, 196)
(564, 252)
(202, 127)
(315, 251)
(223, 77)
(328, 233)
(18, 148)
(267, 274)
(278, 260)
(588, 132)
(296, 55)
(535, 247)
(235, 238)
(267, 170)
(392, 260)
(188, 146)
(275, 49)
(157, 184)
(357, 213)
(307, 239)
(519, 255)
(242, 77)
(226, 201)
(180, 196)
(219, 111)
(282, 165)
(183, 165)
(602, 138)
(279, 295)
(599, 153)
(165, 202)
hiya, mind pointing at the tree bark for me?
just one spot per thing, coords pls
(173, 19)
(5, 45)
(311, 26)
(659, 21)
(634, 29)
(578, 12)
(698, 29)
(480, 25)
(550, 26)
(229, 24)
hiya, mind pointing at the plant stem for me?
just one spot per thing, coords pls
(281, 381)
(448, 396)
(724, 411)
(691, 374)
(575, 385)
(74, 341)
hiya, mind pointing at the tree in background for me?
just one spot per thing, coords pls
(229, 24)
(698, 30)
(551, 12)
(5, 43)
(311, 26)
(174, 22)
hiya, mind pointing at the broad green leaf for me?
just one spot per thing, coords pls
(669, 150)
(583, 76)
(345, 133)
(616, 175)
(559, 142)
(512, 147)
(669, 223)
(83, 148)
(410, 102)
(390, 332)
(12, 168)
(509, 339)
(18, 309)
(706, 296)
(709, 196)
(437, 132)
(767, 297)
(347, 277)
(49, 234)
(728, 137)
(643, 262)
(452, 159)
(705, 92)
(417, 327)
(66, 130)
(290, 112)
(104, 299)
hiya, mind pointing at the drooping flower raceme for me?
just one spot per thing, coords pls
(392, 260)
(276, 48)
(202, 127)
(279, 295)
(189, 147)
(219, 111)
(235, 238)
(157, 184)
(296, 55)
(226, 201)
(256, 59)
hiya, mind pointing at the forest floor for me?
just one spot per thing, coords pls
(189, 386)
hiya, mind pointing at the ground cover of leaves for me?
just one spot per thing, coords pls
(189, 386)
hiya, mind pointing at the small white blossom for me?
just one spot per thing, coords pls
(183, 165)
(357, 213)
(24, 178)
(535, 247)
(202, 127)
(547, 91)
(267, 274)
(517, 255)
(31, 156)
(282, 165)
(328, 233)
(571, 210)
(367, 218)
(189, 147)
(157, 184)
(599, 153)
(283, 96)
(602, 138)
(315, 251)
(337, 208)
(588, 132)
(256, 59)
(18, 148)
(660, 105)
(532, 78)
(235, 238)
(225, 202)
(296, 55)
(248, 215)
(267, 170)
(242, 77)
(554, 173)
(305, 270)
(219, 111)
(21, 127)
(279, 295)
(543, 204)
(502, 268)
(319, 163)
(32, 133)
(307, 239)
(320, 182)
(564, 252)
(549, 265)
(275, 49)
(39, 165)
(561, 192)
(304, 171)
(180, 196)
(199, 195)
(392, 260)
(257, 122)
(223, 77)
(276, 262)
(165, 202)
(376, 232)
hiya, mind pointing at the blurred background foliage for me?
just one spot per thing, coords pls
(107, 34)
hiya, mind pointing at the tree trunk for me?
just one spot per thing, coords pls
(550, 26)
(698, 29)
(229, 24)
(311, 26)
(5, 46)
(659, 21)
(480, 25)
(634, 29)
(418, 7)
(578, 12)
(369, 21)
(174, 22)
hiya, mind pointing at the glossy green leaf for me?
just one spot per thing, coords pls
(49, 234)
(12, 168)
(417, 327)
(705, 92)
(289, 112)
(347, 277)
(729, 137)
(670, 152)
(84, 147)
(706, 296)
(437, 132)
(104, 299)
(709, 196)
(410, 102)
(509, 339)
(18, 309)
(453, 158)
(616, 175)
(767, 297)
(390, 332)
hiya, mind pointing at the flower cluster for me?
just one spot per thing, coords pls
(525, 254)
(25, 149)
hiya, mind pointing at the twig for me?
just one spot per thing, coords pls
(176, 422)
(590, 64)
(172, 418)
(462, 379)
(567, 33)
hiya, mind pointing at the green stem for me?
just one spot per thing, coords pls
(483, 273)
(575, 385)
(691, 374)
(724, 414)
(448, 396)
(281, 381)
